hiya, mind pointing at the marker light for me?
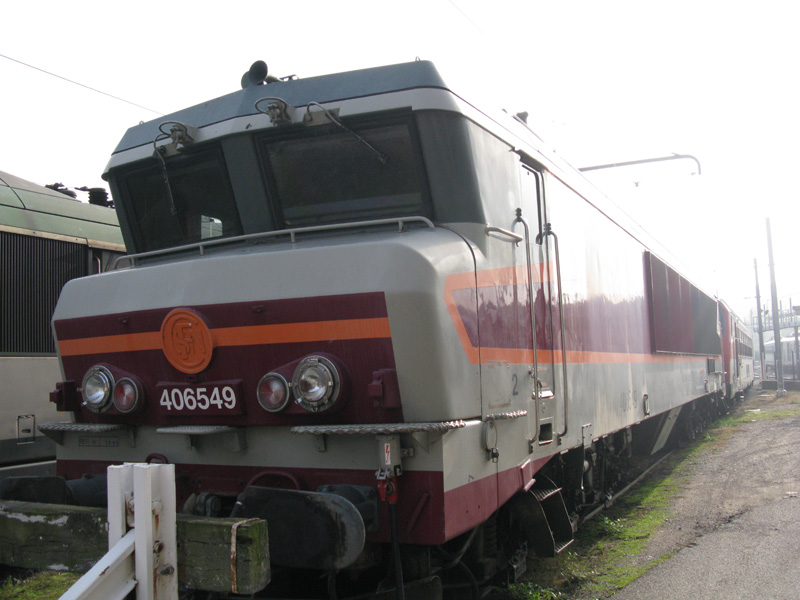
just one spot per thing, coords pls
(315, 383)
(96, 388)
(126, 395)
(273, 392)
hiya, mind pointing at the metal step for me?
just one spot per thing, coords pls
(560, 547)
(543, 494)
(544, 518)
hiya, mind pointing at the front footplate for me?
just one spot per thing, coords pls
(309, 530)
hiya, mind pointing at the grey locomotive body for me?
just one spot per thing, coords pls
(361, 292)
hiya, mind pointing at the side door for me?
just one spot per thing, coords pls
(547, 416)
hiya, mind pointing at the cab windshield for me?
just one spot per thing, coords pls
(200, 205)
(299, 177)
(336, 175)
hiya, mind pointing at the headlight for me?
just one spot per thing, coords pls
(315, 383)
(273, 392)
(126, 395)
(96, 388)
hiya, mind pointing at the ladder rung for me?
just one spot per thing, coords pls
(562, 545)
(543, 494)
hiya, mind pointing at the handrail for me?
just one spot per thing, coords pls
(292, 233)
(516, 238)
(531, 302)
(548, 230)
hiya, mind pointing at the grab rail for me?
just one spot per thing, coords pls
(534, 370)
(292, 233)
(516, 238)
(548, 230)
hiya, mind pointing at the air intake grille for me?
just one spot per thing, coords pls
(32, 272)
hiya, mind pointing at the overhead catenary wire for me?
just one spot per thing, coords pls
(80, 84)
(466, 16)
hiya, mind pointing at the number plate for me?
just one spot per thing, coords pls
(218, 398)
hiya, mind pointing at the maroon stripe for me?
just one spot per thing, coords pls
(238, 314)
(470, 505)
(593, 325)
(360, 358)
(426, 514)
(421, 492)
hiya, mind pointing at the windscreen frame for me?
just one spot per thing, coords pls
(137, 186)
(339, 140)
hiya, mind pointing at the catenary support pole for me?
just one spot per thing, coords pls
(760, 326)
(776, 321)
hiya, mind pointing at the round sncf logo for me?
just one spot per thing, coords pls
(186, 341)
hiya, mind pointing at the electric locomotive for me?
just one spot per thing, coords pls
(394, 325)
(46, 238)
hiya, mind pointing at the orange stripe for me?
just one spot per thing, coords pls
(460, 281)
(130, 342)
(470, 280)
(521, 356)
(319, 331)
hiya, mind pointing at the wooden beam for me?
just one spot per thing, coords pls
(217, 555)
(51, 536)
(208, 559)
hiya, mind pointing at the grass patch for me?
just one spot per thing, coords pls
(750, 415)
(47, 585)
(770, 397)
(529, 591)
(606, 553)
(618, 537)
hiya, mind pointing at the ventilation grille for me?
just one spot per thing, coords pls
(32, 272)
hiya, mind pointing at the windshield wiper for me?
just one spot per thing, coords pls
(180, 134)
(381, 156)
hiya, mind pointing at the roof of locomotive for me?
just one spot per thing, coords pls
(30, 207)
(218, 115)
(296, 92)
(348, 85)
(137, 142)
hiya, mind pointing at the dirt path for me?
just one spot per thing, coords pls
(757, 463)
(737, 506)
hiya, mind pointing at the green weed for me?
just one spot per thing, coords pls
(47, 585)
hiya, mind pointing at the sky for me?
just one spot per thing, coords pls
(602, 81)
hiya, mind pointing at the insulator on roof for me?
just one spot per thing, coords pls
(98, 196)
(61, 188)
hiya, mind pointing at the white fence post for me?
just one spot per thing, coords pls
(120, 492)
(146, 557)
(156, 554)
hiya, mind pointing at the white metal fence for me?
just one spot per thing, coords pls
(142, 538)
